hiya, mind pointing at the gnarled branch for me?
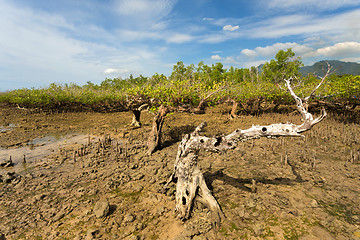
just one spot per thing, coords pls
(190, 180)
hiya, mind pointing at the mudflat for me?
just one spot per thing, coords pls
(85, 175)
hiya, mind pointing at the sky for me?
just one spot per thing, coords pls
(76, 41)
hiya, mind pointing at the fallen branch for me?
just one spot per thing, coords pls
(190, 182)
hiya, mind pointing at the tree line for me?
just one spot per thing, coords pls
(253, 89)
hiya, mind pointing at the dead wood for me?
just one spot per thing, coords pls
(190, 183)
(200, 109)
(233, 112)
(154, 140)
(136, 119)
(136, 116)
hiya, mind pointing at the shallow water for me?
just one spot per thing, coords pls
(7, 128)
(37, 149)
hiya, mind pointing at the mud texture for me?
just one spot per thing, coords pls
(105, 186)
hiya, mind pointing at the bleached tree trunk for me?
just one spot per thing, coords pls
(190, 181)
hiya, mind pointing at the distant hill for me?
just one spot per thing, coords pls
(343, 68)
(352, 68)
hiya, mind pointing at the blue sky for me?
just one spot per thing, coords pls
(45, 41)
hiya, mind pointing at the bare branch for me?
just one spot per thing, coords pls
(22, 108)
(190, 181)
(201, 107)
(326, 74)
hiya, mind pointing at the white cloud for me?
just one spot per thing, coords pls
(216, 57)
(254, 63)
(345, 51)
(37, 46)
(139, 7)
(353, 59)
(208, 19)
(133, 35)
(340, 49)
(116, 70)
(129, 36)
(46, 52)
(295, 5)
(230, 28)
(343, 25)
(179, 38)
(213, 38)
(144, 12)
(270, 51)
(249, 53)
(338, 26)
(230, 60)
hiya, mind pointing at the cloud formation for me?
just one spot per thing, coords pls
(230, 28)
(178, 38)
(144, 12)
(340, 49)
(84, 43)
(345, 51)
(116, 70)
(271, 50)
(294, 5)
(216, 57)
(47, 50)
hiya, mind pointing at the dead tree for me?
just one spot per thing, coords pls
(190, 182)
(233, 112)
(200, 109)
(154, 140)
(136, 116)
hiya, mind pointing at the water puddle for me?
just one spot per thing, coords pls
(37, 149)
(7, 128)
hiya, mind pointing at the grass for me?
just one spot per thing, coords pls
(130, 196)
(339, 210)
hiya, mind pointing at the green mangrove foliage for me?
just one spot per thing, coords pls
(188, 85)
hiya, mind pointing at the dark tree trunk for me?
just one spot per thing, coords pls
(136, 118)
(154, 140)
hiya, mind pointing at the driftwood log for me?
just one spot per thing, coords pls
(190, 182)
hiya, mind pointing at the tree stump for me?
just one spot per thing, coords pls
(154, 140)
(136, 119)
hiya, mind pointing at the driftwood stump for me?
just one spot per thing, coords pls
(136, 118)
(233, 112)
(136, 115)
(190, 183)
(154, 140)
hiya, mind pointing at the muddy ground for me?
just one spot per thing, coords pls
(85, 176)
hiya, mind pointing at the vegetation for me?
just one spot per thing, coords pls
(188, 85)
